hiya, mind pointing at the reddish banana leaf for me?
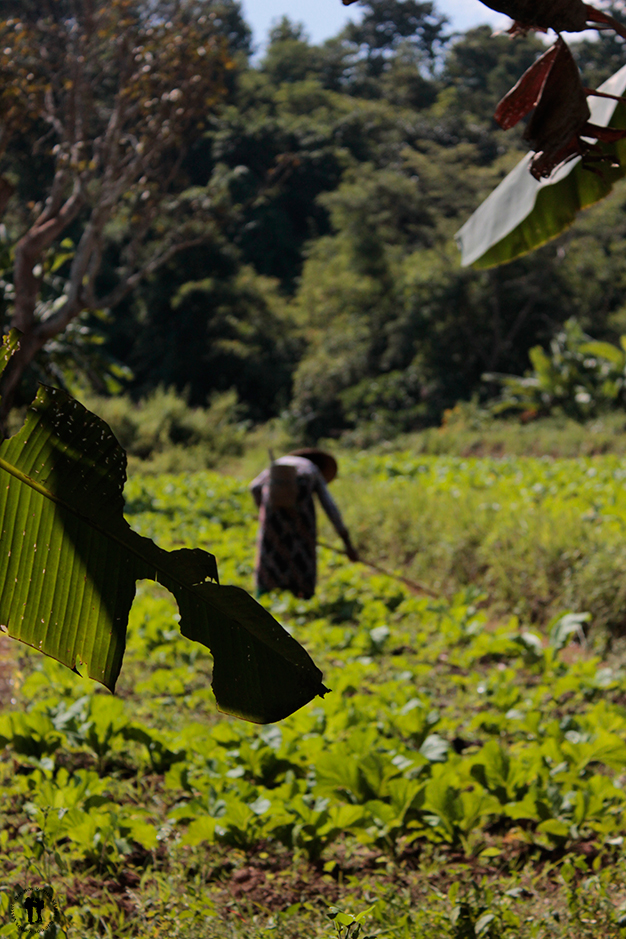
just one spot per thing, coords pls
(561, 108)
(569, 16)
(526, 93)
(552, 86)
(560, 121)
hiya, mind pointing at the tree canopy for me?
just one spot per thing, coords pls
(106, 96)
(310, 219)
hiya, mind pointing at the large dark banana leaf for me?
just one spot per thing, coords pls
(523, 213)
(69, 563)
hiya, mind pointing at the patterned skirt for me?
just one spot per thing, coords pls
(286, 546)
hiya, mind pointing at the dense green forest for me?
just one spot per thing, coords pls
(332, 179)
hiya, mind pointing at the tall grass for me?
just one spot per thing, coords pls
(536, 536)
(467, 431)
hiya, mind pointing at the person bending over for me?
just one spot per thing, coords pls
(286, 545)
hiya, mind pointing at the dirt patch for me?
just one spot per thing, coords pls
(279, 890)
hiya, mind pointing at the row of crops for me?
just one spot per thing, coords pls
(448, 734)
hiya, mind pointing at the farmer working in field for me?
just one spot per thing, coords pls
(286, 558)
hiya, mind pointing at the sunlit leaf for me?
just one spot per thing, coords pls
(435, 748)
(69, 563)
(604, 350)
(482, 923)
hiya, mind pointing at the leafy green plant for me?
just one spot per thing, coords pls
(458, 747)
(162, 433)
(470, 916)
(578, 375)
(349, 925)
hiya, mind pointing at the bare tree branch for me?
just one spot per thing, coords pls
(29, 251)
(133, 280)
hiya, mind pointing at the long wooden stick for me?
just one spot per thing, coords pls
(413, 585)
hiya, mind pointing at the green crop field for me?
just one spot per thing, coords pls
(465, 777)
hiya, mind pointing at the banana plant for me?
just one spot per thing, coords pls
(69, 563)
(578, 374)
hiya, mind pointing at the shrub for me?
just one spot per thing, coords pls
(161, 433)
(578, 376)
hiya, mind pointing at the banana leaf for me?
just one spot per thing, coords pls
(69, 563)
(523, 213)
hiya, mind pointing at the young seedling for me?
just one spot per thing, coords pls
(347, 925)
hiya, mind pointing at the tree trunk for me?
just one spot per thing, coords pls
(30, 344)
(30, 250)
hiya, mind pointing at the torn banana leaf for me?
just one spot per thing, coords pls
(69, 563)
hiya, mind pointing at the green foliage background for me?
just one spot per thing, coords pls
(329, 289)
